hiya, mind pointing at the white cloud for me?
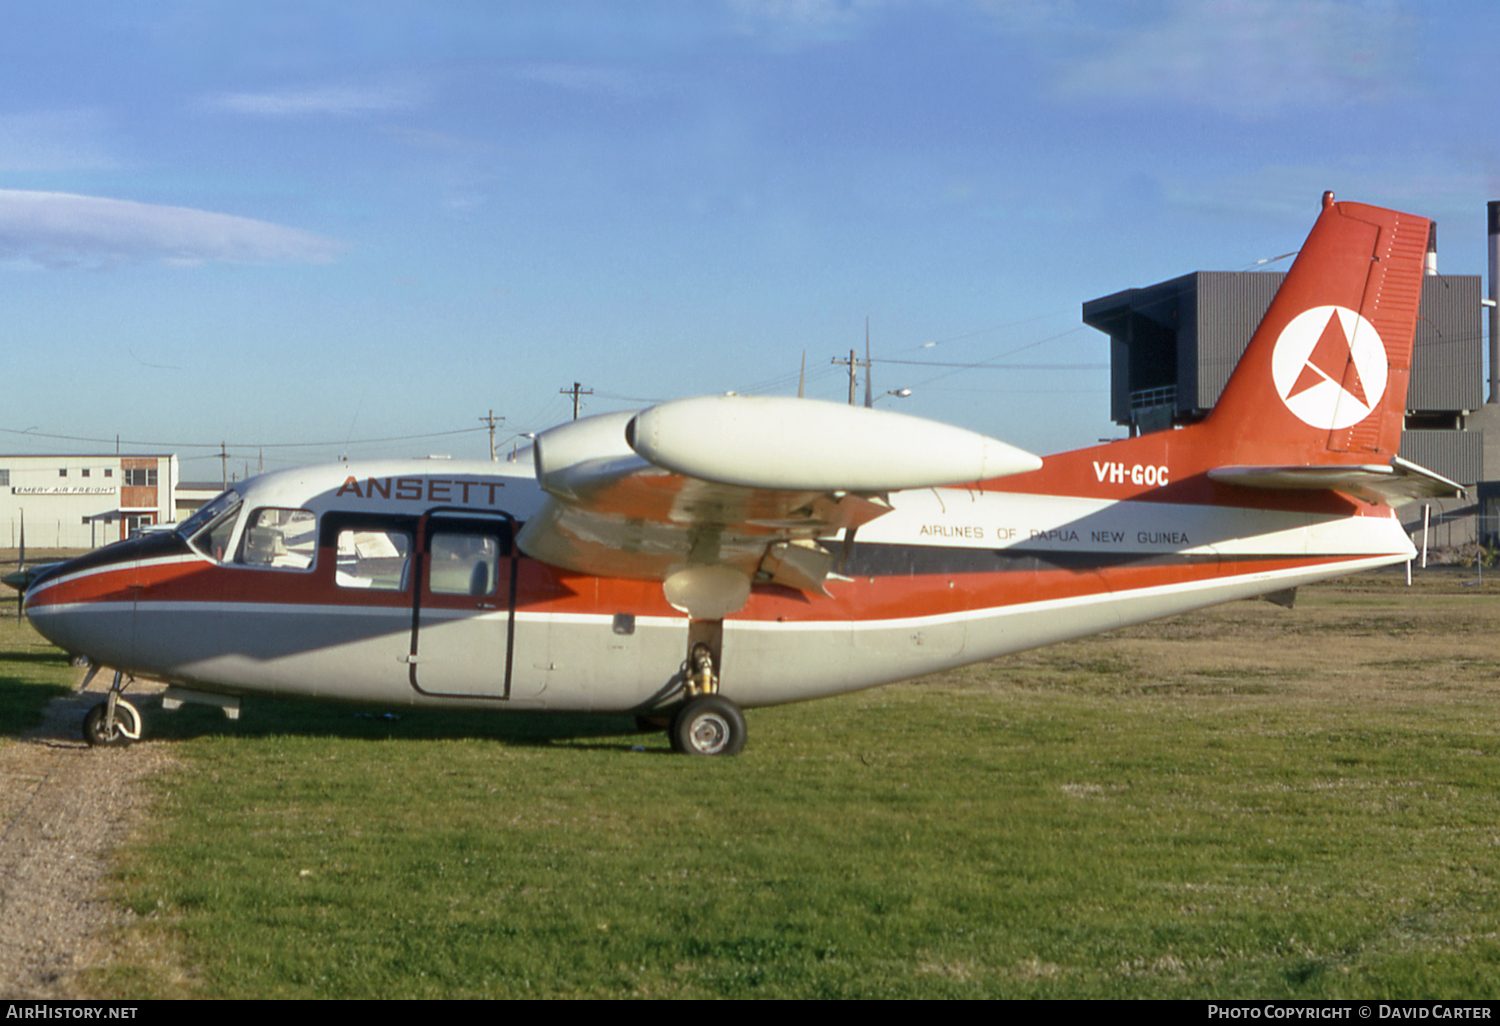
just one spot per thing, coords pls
(1253, 58)
(59, 230)
(336, 101)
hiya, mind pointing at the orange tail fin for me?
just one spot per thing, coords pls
(1324, 378)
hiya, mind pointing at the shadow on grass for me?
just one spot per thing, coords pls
(43, 657)
(23, 700)
(269, 717)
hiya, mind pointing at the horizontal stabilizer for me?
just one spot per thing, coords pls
(1389, 484)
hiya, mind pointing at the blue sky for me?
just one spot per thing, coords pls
(365, 225)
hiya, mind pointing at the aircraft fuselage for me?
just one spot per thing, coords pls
(444, 610)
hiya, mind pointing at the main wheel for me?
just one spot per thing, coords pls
(127, 726)
(709, 725)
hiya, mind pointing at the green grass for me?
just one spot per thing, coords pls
(949, 844)
(1082, 822)
(32, 672)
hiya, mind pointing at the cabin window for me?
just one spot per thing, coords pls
(280, 539)
(464, 564)
(375, 558)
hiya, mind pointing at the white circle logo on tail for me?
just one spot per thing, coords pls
(1330, 367)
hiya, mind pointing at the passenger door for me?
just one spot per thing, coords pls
(464, 622)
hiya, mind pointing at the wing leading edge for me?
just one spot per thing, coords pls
(709, 494)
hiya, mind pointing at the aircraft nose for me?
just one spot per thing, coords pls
(84, 606)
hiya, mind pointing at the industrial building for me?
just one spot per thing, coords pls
(72, 501)
(1174, 344)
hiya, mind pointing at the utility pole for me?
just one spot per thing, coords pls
(490, 420)
(21, 565)
(854, 363)
(869, 369)
(223, 465)
(576, 391)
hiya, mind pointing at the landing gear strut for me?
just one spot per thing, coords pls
(708, 723)
(114, 721)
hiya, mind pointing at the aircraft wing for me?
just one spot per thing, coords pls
(1389, 484)
(736, 488)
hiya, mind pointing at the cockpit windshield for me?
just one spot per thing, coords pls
(208, 529)
(210, 512)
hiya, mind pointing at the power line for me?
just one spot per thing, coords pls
(240, 445)
(1001, 366)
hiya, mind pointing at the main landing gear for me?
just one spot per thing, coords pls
(707, 723)
(114, 721)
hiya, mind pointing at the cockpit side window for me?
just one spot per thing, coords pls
(279, 539)
(208, 531)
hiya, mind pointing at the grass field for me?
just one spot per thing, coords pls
(1246, 802)
(32, 672)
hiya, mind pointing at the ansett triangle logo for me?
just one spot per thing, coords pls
(1330, 367)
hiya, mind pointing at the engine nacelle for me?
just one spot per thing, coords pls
(807, 444)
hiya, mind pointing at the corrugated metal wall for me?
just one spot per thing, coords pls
(1447, 370)
(1457, 455)
(1230, 308)
(1447, 367)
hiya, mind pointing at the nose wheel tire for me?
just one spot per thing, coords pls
(709, 725)
(125, 729)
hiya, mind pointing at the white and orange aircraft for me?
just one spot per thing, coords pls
(700, 557)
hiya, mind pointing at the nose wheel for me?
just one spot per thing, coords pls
(114, 721)
(123, 728)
